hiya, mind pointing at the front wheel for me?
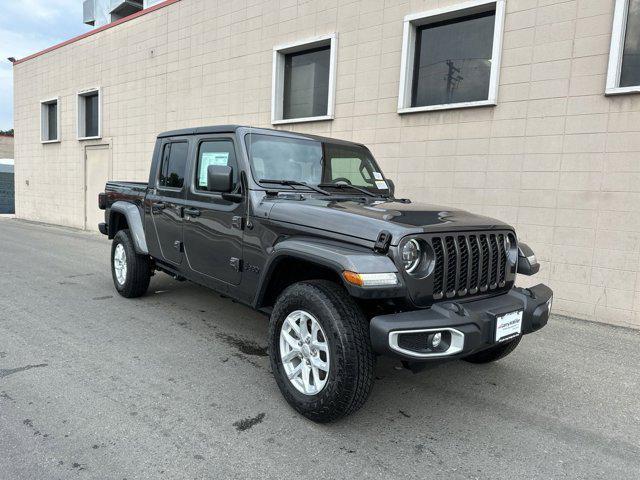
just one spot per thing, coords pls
(494, 353)
(131, 271)
(320, 350)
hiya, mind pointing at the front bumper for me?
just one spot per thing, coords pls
(470, 326)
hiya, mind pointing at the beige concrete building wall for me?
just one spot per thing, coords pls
(555, 157)
(6, 146)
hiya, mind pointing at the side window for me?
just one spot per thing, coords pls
(174, 161)
(215, 152)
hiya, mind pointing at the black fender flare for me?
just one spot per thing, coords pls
(134, 220)
(333, 255)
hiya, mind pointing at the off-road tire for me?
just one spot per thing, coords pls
(138, 267)
(352, 362)
(495, 353)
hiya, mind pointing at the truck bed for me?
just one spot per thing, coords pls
(133, 192)
(117, 185)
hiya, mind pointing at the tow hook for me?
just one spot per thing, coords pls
(456, 308)
(415, 367)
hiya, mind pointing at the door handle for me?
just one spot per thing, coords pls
(192, 212)
(158, 206)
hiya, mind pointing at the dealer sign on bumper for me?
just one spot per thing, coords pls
(508, 326)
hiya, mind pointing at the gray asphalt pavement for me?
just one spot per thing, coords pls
(177, 385)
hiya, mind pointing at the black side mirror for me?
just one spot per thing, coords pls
(219, 178)
(527, 261)
(392, 187)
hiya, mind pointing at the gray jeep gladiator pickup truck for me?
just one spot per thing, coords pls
(307, 230)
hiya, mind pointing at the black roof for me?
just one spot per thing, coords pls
(200, 130)
(233, 128)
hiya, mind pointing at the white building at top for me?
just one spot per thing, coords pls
(102, 12)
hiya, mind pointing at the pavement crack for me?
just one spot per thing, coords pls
(5, 372)
(80, 275)
(78, 466)
(247, 423)
(29, 423)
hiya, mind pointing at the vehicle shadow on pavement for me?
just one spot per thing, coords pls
(398, 393)
(448, 405)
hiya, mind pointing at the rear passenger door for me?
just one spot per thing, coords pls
(167, 200)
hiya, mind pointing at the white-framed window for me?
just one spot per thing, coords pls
(623, 75)
(451, 57)
(304, 81)
(50, 120)
(89, 114)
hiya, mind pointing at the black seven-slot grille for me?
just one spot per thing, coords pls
(468, 263)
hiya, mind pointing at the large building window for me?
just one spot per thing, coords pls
(304, 81)
(624, 58)
(50, 121)
(89, 114)
(451, 57)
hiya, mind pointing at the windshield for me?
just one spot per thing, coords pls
(310, 161)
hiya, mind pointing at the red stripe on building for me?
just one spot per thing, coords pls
(166, 3)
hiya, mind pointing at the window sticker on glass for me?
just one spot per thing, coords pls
(210, 158)
(377, 175)
(382, 185)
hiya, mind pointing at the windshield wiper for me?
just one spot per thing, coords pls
(294, 183)
(346, 185)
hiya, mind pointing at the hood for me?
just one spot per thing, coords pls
(367, 219)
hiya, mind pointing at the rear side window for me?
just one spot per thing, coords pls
(174, 161)
(215, 152)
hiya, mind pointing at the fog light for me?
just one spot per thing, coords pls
(435, 340)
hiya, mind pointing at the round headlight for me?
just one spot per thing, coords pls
(411, 255)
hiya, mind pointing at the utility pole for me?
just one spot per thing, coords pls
(453, 80)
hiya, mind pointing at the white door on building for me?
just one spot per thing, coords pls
(97, 168)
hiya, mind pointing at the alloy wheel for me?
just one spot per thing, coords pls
(120, 263)
(304, 351)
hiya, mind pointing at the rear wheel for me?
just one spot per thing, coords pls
(131, 271)
(320, 350)
(495, 353)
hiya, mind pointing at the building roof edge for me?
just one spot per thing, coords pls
(146, 11)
